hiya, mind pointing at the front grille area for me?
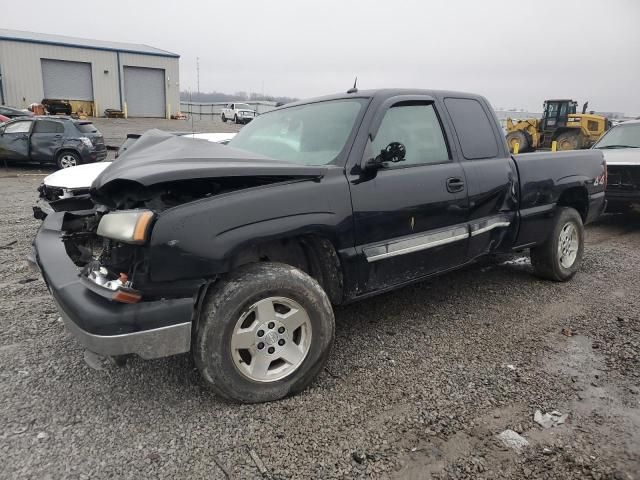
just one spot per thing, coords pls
(623, 177)
(51, 194)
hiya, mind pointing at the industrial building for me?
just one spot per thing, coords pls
(93, 75)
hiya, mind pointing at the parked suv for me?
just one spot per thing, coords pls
(63, 141)
(56, 107)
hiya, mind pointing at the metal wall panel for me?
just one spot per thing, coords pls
(144, 91)
(67, 80)
(22, 72)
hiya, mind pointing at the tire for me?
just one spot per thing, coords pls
(234, 304)
(520, 138)
(571, 140)
(224, 119)
(235, 119)
(550, 260)
(67, 159)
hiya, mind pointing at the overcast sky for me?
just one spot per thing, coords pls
(516, 53)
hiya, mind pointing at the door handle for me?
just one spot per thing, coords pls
(455, 184)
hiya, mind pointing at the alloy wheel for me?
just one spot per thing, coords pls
(271, 339)
(568, 245)
(68, 160)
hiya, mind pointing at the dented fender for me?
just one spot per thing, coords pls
(201, 238)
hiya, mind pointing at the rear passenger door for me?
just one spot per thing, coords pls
(46, 139)
(491, 174)
(409, 216)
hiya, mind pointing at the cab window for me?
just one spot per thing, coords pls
(552, 110)
(416, 126)
(563, 110)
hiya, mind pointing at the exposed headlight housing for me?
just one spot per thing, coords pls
(128, 226)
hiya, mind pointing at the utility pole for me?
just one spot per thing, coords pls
(198, 74)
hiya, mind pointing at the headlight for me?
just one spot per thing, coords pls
(86, 141)
(128, 226)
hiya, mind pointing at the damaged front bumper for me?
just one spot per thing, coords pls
(150, 329)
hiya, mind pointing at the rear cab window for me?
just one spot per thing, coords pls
(473, 127)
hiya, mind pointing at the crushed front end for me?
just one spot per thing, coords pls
(103, 289)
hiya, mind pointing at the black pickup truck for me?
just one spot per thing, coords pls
(237, 253)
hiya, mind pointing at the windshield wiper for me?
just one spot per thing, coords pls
(617, 146)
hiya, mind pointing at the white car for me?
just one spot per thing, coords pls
(238, 112)
(68, 189)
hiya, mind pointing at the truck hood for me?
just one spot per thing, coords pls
(167, 158)
(621, 156)
(72, 178)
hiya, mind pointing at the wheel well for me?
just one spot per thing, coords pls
(575, 197)
(64, 150)
(312, 254)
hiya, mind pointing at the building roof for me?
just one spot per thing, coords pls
(64, 41)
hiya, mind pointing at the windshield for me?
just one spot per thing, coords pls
(312, 134)
(242, 106)
(622, 136)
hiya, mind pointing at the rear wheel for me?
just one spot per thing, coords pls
(224, 119)
(264, 332)
(68, 159)
(235, 119)
(571, 140)
(517, 137)
(560, 256)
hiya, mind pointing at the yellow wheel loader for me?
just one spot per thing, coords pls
(559, 123)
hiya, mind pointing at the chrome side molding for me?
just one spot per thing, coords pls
(415, 244)
(435, 238)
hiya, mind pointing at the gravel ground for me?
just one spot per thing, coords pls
(419, 384)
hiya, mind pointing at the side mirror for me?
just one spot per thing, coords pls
(394, 152)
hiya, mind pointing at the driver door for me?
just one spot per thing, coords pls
(410, 216)
(14, 141)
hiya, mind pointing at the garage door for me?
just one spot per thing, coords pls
(144, 91)
(67, 80)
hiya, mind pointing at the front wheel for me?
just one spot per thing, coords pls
(560, 256)
(265, 331)
(235, 119)
(224, 119)
(571, 140)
